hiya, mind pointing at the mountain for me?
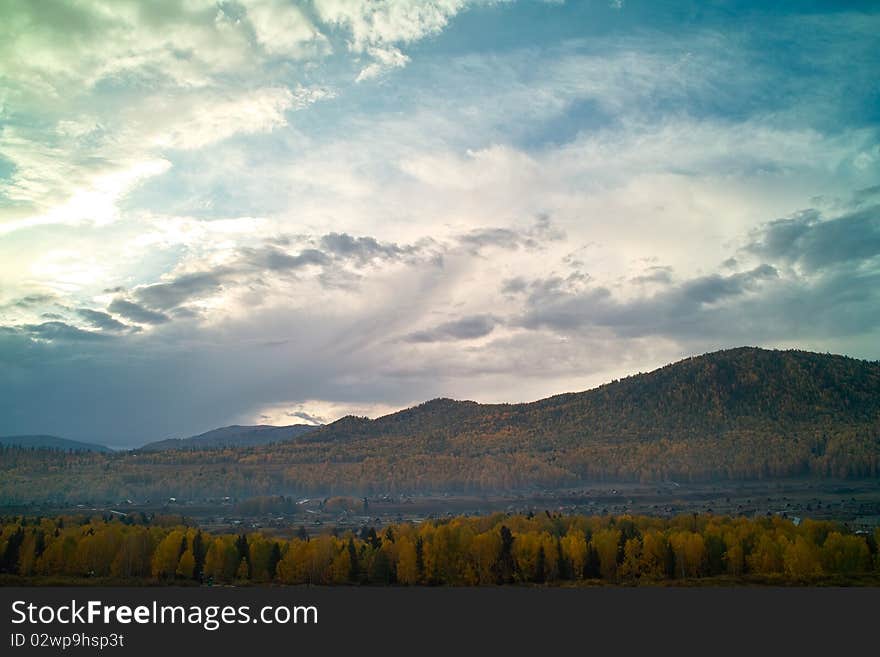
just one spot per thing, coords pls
(52, 442)
(233, 436)
(742, 389)
(740, 414)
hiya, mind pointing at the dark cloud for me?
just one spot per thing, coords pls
(107, 389)
(866, 194)
(502, 238)
(654, 275)
(136, 312)
(101, 319)
(514, 285)
(674, 311)
(739, 308)
(164, 296)
(273, 259)
(362, 248)
(253, 261)
(61, 331)
(31, 300)
(713, 288)
(185, 313)
(545, 230)
(466, 328)
(543, 289)
(808, 240)
(505, 238)
(308, 417)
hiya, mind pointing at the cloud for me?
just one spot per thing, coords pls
(61, 331)
(385, 59)
(387, 21)
(499, 214)
(274, 259)
(128, 85)
(814, 243)
(136, 313)
(248, 264)
(661, 275)
(101, 320)
(31, 300)
(504, 238)
(677, 311)
(514, 285)
(832, 291)
(209, 121)
(182, 288)
(716, 287)
(362, 248)
(511, 239)
(466, 328)
(377, 29)
(283, 29)
(308, 417)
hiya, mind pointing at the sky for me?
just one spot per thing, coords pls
(273, 212)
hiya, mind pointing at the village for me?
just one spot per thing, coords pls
(855, 503)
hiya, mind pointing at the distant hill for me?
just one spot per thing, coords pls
(52, 442)
(233, 436)
(739, 414)
(744, 389)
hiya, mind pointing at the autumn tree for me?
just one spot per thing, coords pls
(187, 565)
(606, 542)
(167, 555)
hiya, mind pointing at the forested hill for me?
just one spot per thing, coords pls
(732, 415)
(233, 436)
(739, 389)
(51, 442)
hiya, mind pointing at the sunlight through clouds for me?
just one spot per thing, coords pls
(332, 207)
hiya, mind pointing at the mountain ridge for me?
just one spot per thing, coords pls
(234, 435)
(724, 383)
(44, 441)
(734, 415)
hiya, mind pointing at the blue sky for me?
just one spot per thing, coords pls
(271, 211)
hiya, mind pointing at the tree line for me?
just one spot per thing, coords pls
(470, 464)
(500, 549)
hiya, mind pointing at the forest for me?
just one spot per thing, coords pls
(741, 414)
(502, 549)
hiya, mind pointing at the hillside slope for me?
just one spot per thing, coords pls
(52, 442)
(232, 436)
(740, 414)
(737, 389)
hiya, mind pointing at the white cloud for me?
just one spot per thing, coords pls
(94, 201)
(387, 21)
(385, 59)
(316, 411)
(283, 29)
(377, 28)
(207, 122)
